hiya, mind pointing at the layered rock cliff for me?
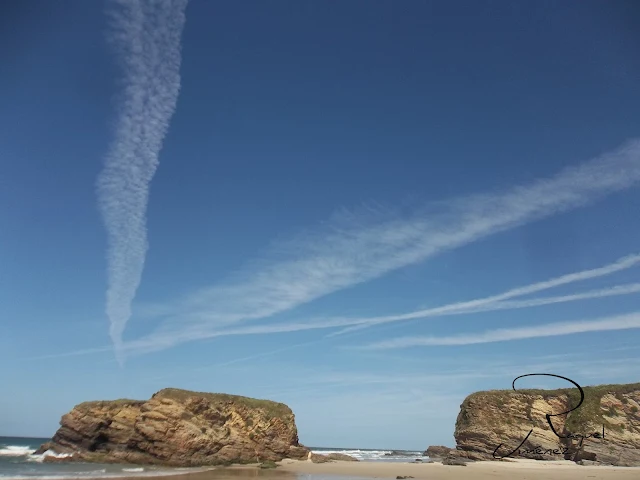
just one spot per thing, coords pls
(179, 428)
(488, 419)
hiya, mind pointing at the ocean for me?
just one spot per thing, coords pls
(373, 455)
(18, 462)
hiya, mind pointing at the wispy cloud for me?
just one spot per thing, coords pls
(496, 302)
(459, 308)
(619, 322)
(76, 353)
(486, 304)
(147, 35)
(356, 249)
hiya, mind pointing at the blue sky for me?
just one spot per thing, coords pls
(366, 210)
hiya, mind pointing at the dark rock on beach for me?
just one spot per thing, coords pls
(318, 458)
(454, 461)
(437, 451)
(331, 457)
(342, 457)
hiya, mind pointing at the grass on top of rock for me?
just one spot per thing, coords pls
(271, 408)
(588, 415)
(121, 402)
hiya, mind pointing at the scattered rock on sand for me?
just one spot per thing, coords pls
(454, 461)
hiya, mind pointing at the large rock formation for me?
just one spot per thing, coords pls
(488, 419)
(179, 428)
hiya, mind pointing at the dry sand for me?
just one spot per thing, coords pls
(517, 470)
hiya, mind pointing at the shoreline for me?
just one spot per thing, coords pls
(288, 469)
(481, 470)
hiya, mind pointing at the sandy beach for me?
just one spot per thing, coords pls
(517, 470)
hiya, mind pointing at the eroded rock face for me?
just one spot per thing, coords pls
(343, 457)
(437, 451)
(331, 457)
(488, 419)
(179, 428)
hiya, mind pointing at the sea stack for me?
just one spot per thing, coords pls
(488, 419)
(179, 428)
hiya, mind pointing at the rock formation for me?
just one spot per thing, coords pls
(488, 419)
(179, 428)
(331, 457)
(437, 451)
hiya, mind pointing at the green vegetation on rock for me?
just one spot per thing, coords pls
(271, 409)
(124, 402)
(588, 416)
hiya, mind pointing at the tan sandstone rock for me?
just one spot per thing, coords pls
(488, 419)
(179, 428)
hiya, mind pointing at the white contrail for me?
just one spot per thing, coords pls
(141, 347)
(150, 345)
(147, 36)
(324, 262)
(484, 304)
(618, 322)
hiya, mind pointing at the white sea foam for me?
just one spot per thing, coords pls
(48, 453)
(374, 455)
(16, 451)
(93, 474)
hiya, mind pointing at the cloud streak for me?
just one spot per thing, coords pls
(357, 249)
(146, 35)
(486, 304)
(459, 308)
(619, 322)
(496, 302)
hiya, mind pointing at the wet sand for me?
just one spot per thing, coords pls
(517, 470)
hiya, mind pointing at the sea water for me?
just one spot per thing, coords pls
(17, 461)
(373, 455)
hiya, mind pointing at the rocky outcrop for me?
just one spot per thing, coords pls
(489, 419)
(342, 457)
(454, 461)
(179, 428)
(331, 457)
(437, 451)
